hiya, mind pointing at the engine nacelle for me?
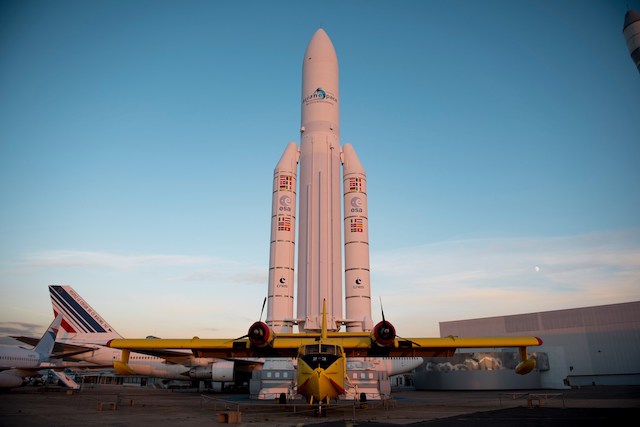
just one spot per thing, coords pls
(218, 371)
(260, 335)
(8, 380)
(383, 334)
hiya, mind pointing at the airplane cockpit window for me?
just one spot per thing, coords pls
(328, 349)
(311, 349)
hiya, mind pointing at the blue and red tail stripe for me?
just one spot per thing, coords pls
(64, 324)
(75, 311)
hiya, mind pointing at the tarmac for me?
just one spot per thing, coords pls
(117, 405)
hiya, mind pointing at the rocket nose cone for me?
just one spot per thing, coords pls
(320, 47)
(320, 32)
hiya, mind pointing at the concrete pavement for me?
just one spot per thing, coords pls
(109, 405)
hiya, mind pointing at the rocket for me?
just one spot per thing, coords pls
(322, 203)
(631, 32)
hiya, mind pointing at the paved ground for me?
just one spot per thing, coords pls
(599, 405)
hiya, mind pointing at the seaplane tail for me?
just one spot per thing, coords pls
(81, 323)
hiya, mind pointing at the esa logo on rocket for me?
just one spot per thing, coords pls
(356, 204)
(285, 203)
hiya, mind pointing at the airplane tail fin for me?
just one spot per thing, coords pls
(80, 321)
(48, 340)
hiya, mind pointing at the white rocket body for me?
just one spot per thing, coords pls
(319, 212)
(282, 251)
(356, 244)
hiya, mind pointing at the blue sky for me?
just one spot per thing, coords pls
(138, 139)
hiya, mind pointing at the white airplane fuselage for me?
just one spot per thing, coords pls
(140, 364)
(17, 363)
(14, 363)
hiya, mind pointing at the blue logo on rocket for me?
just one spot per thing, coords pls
(320, 95)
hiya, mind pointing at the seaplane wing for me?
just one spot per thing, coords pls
(222, 348)
(354, 345)
(358, 346)
(262, 341)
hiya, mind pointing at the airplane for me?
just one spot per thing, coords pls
(322, 357)
(17, 363)
(84, 335)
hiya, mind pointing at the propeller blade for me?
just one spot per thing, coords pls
(408, 340)
(262, 311)
(241, 338)
(384, 322)
(264, 302)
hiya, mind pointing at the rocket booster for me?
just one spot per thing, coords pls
(319, 212)
(356, 244)
(282, 250)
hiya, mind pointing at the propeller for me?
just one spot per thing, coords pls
(259, 333)
(384, 333)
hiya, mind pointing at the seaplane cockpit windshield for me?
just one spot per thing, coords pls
(321, 349)
(320, 355)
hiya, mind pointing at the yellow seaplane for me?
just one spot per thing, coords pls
(322, 357)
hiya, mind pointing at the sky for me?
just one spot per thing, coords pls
(138, 139)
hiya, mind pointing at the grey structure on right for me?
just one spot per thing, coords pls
(597, 345)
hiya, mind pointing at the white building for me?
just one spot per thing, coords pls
(582, 346)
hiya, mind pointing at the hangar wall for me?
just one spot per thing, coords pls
(585, 346)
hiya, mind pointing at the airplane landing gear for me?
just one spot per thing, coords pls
(321, 409)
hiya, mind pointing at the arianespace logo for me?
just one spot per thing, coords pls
(320, 95)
